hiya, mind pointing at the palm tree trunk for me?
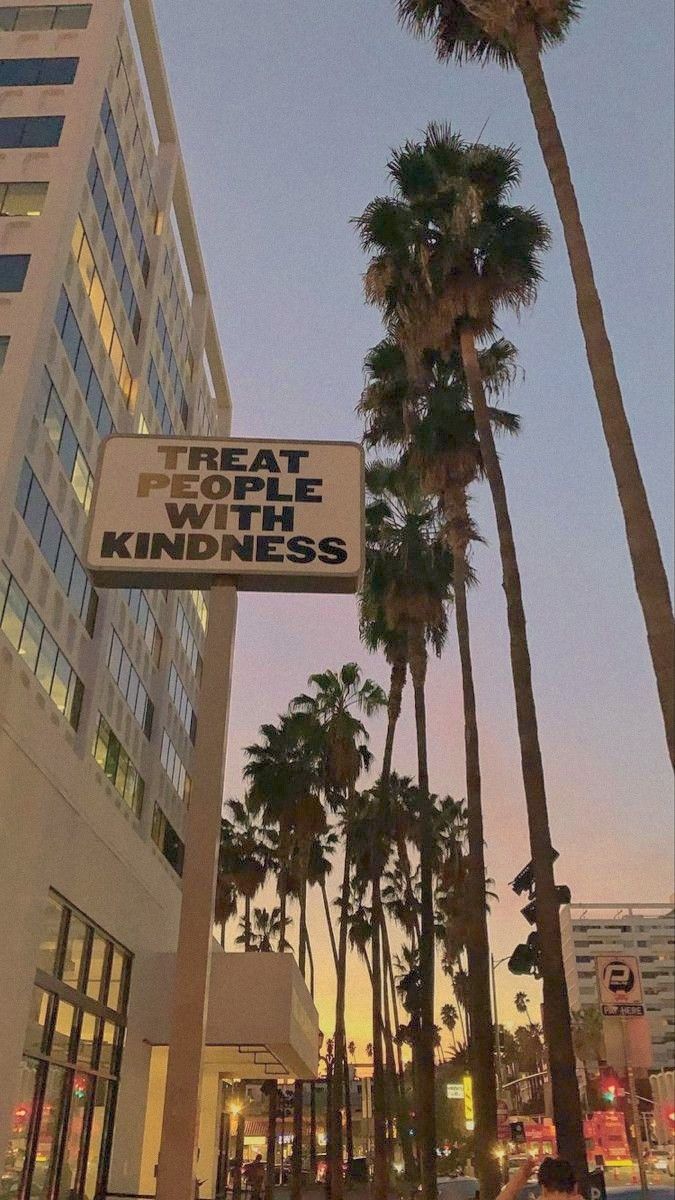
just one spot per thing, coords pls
(349, 1122)
(271, 1167)
(329, 922)
(557, 1023)
(398, 1079)
(426, 1069)
(337, 1181)
(239, 1152)
(478, 945)
(399, 670)
(380, 1166)
(313, 1158)
(247, 924)
(283, 907)
(651, 580)
(299, 1088)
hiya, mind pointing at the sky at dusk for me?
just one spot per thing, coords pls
(288, 110)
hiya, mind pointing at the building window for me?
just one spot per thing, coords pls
(37, 72)
(188, 640)
(114, 761)
(93, 286)
(142, 614)
(182, 703)
(174, 768)
(112, 241)
(199, 601)
(67, 446)
(165, 837)
(178, 315)
(124, 185)
(43, 523)
(22, 199)
(13, 271)
(21, 18)
(30, 132)
(63, 1116)
(145, 175)
(172, 365)
(80, 360)
(26, 631)
(129, 682)
(4, 347)
(159, 399)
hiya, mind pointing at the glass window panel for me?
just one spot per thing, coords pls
(86, 264)
(14, 614)
(24, 200)
(63, 1029)
(64, 564)
(112, 759)
(108, 1039)
(77, 933)
(72, 16)
(87, 1044)
(11, 1168)
(8, 17)
(81, 1088)
(36, 18)
(36, 510)
(46, 1142)
(54, 418)
(32, 635)
(97, 298)
(101, 1093)
(50, 545)
(51, 927)
(118, 975)
(37, 1020)
(46, 661)
(57, 71)
(97, 961)
(41, 131)
(61, 684)
(124, 674)
(81, 479)
(102, 740)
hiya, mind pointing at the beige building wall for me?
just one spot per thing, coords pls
(64, 825)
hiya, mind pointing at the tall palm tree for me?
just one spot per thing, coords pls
(243, 862)
(264, 929)
(450, 1017)
(435, 425)
(332, 716)
(411, 570)
(448, 252)
(516, 34)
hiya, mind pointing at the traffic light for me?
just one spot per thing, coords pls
(609, 1086)
(525, 959)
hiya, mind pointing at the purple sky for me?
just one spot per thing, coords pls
(287, 111)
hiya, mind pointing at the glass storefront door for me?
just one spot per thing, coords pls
(63, 1117)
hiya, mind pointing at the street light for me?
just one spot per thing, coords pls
(498, 1042)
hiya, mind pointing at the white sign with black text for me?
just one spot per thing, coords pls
(620, 985)
(273, 515)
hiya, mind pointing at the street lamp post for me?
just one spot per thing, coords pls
(498, 1040)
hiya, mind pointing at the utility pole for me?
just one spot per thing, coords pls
(635, 1107)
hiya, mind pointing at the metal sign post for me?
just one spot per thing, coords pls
(232, 515)
(621, 995)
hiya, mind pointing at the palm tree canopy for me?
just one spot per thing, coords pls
(448, 248)
(331, 719)
(486, 30)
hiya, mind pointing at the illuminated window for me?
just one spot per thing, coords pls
(199, 601)
(114, 761)
(29, 636)
(188, 641)
(22, 199)
(112, 241)
(93, 286)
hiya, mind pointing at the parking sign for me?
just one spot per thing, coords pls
(620, 985)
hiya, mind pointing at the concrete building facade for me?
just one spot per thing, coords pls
(644, 930)
(105, 324)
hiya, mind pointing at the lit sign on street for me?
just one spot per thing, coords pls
(272, 515)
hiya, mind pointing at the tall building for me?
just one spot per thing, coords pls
(105, 324)
(646, 931)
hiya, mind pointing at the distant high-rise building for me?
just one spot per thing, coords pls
(646, 931)
(106, 325)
